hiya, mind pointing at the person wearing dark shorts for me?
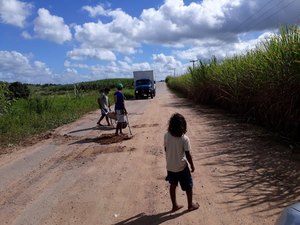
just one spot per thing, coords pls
(184, 178)
(178, 158)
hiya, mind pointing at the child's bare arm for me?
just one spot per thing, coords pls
(190, 160)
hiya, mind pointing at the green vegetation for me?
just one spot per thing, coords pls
(35, 115)
(10, 92)
(47, 89)
(4, 101)
(49, 106)
(262, 85)
(18, 90)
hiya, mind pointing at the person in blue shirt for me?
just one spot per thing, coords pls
(120, 108)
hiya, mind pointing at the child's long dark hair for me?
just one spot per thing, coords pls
(177, 125)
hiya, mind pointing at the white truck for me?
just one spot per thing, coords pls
(144, 83)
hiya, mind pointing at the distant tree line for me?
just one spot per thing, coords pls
(84, 86)
(10, 92)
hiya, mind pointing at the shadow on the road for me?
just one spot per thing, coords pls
(93, 128)
(261, 167)
(155, 219)
(104, 139)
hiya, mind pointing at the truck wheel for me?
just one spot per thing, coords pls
(151, 95)
(136, 97)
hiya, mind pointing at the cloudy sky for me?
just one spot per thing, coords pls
(68, 41)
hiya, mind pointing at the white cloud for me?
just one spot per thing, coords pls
(51, 27)
(187, 31)
(175, 22)
(103, 38)
(164, 64)
(116, 36)
(141, 66)
(124, 23)
(97, 53)
(114, 69)
(161, 58)
(75, 65)
(127, 59)
(15, 66)
(173, 25)
(95, 11)
(205, 49)
(71, 76)
(71, 71)
(14, 12)
(26, 35)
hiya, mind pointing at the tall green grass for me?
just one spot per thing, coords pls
(39, 114)
(35, 115)
(263, 84)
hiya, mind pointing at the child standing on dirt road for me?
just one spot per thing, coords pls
(177, 148)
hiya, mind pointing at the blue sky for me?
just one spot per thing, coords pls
(73, 41)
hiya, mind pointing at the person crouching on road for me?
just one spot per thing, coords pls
(177, 148)
(104, 106)
(120, 108)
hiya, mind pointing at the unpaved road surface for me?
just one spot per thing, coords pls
(81, 174)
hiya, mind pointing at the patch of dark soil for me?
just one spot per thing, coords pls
(145, 125)
(96, 150)
(9, 148)
(105, 139)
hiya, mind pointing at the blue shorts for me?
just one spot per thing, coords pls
(184, 177)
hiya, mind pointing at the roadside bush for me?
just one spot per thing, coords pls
(129, 93)
(19, 90)
(5, 103)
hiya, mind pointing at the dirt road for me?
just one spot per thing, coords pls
(76, 175)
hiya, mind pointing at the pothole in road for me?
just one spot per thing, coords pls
(145, 125)
(96, 150)
(106, 139)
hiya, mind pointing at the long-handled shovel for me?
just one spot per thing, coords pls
(128, 124)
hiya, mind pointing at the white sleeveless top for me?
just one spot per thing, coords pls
(175, 151)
